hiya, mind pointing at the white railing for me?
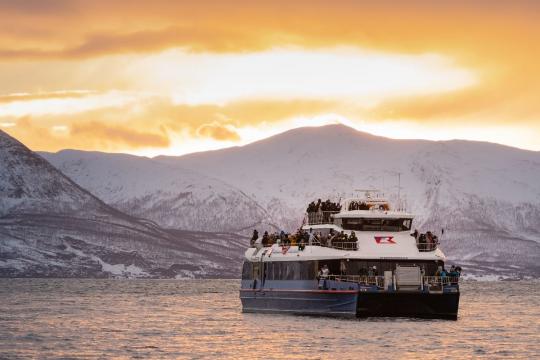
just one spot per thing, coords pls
(360, 279)
(320, 217)
(344, 245)
(379, 280)
(440, 280)
(425, 247)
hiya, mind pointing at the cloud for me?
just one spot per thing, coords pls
(158, 126)
(218, 132)
(154, 123)
(152, 40)
(7, 98)
(119, 134)
(75, 29)
(52, 134)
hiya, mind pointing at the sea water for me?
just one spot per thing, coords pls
(196, 319)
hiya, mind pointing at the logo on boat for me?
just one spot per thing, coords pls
(384, 239)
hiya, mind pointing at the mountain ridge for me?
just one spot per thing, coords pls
(52, 227)
(476, 190)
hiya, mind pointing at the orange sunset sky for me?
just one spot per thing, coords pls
(172, 77)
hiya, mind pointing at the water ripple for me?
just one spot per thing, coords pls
(199, 319)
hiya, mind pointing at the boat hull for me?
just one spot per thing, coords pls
(300, 302)
(351, 303)
(413, 304)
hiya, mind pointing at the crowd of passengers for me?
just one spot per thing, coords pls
(358, 205)
(320, 205)
(303, 238)
(427, 241)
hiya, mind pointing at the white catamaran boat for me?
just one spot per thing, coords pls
(358, 259)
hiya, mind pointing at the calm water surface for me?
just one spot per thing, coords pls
(43, 318)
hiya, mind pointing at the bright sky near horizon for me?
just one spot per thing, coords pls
(166, 77)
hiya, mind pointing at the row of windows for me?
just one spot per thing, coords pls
(358, 224)
(280, 270)
(307, 270)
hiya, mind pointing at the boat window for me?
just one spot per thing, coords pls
(246, 271)
(378, 224)
(256, 271)
(291, 270)
(361, 267)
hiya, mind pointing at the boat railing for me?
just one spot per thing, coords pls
(440, 280)
(339, 245)
(431, 281)
(360, 279)
(425, 247)
(320, 217)
(344, 245)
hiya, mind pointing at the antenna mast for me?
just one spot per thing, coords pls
(399, 191)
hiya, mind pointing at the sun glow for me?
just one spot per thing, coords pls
(344, 74)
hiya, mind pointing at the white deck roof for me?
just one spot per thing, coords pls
(373, 214)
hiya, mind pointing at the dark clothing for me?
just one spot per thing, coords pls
(254, 237)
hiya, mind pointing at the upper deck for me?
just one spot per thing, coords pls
(362, 227)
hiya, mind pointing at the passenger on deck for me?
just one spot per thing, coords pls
(352, 237)
(331, 237)
(305, 235)
(265, 239)
(318, 238)
(286, 240)
(301, 244)
(274, 238)
(254, 237)
(372, 271)
(454, 274)
(311, 237)
(282, 236)
(343, 267)
(325, 271)
(430, 241)
(444, 273)
(415, 234)
(422, 243)
(363, 206)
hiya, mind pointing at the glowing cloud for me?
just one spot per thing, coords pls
(343, 74)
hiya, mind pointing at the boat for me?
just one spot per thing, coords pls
(358, 259)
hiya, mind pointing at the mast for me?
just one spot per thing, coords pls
(399, 191)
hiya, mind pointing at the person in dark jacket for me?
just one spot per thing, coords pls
(265, 239)
(254, 237)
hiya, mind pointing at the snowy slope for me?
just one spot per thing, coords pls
(172, 197)
(487, 196)
(50, 226)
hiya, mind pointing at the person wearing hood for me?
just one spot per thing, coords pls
(254, 237)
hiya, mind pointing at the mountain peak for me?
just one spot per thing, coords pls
(29, 182)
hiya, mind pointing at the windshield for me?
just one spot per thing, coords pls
(359, 224)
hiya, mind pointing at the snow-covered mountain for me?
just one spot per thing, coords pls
(50, 226)
(171, 196)
(486, 196)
